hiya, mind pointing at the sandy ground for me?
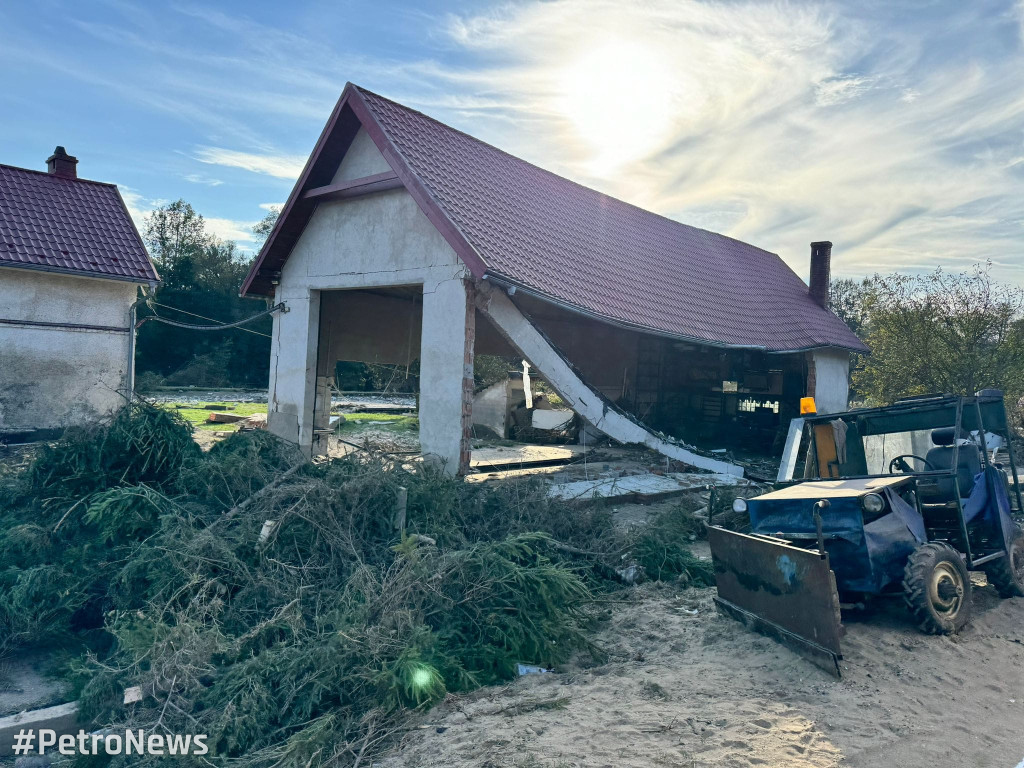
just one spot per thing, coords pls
(24, 686)
(699, 690)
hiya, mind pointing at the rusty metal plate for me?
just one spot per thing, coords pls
(779, 590)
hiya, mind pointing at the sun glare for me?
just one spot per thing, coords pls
(617, 95)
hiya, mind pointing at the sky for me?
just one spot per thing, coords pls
(893, 129)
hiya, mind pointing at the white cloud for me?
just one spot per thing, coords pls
(139, 207)
(230, 229)
(278, 166)
(196, 178)
(272, 207)
(837, 90)
(777, 123)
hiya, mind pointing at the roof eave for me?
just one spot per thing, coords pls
(352, 98)
(79, 273)
(576, 309)
(296, 193)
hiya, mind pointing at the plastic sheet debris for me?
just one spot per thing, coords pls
(525, 669)
(630, 574)
(133, 695)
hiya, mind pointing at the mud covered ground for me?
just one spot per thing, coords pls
(684, 686)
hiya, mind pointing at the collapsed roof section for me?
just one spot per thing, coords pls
(515, 222)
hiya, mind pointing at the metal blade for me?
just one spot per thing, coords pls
(780, 590)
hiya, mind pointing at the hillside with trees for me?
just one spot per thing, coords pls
(201, 277)
(934, 332)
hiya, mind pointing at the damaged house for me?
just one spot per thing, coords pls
(406, 239)
(71, 263)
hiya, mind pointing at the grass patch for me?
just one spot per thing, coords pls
(356, 422)
(196, 415)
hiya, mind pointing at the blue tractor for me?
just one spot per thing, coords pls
(902, 499)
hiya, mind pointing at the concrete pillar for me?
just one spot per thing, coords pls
(293, 358)
(828, 379)
(446, 373)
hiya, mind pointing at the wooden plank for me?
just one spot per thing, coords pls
(224, 418)
(380, 182)
(523, 455)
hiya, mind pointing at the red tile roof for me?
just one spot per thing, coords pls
(573, 245)
(58, 224)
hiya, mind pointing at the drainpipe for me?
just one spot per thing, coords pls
(129, 379)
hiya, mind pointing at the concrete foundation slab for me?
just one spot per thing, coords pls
(639, 488)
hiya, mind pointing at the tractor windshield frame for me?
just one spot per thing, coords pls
(970, 417)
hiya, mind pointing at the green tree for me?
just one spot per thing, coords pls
(941, 332)
(175, 236)
(201, 276)
(262, 229)
(850, 300)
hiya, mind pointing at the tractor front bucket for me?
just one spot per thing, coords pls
(780, 590)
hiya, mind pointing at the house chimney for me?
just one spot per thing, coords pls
(60, 163)
(821, 271)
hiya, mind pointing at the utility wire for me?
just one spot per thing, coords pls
(203, 317)
(220, 327)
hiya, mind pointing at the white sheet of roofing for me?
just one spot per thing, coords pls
(637, 485)
(835, 488)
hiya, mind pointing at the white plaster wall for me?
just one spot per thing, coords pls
(446, 361)
(831, 380)
(378, 240)
(362, 159)
(51, 378)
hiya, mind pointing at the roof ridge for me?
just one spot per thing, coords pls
(49, 175)
(619, 200)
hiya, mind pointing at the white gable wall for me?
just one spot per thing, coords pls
(374, 241)
(362, 159)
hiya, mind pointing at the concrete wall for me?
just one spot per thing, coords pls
(831, 389)
(361, 160)
(380, 240)
(51, 378)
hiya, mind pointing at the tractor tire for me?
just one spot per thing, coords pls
(937, 589)
(1007, 573)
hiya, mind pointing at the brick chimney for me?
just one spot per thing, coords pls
(821, 271)
(60, 163)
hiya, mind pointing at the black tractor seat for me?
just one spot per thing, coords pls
(943, 490)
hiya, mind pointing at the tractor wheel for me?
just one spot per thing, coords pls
(937, 589)
(1007, 573)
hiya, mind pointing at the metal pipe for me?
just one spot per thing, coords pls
(821, 504)
(65, 326)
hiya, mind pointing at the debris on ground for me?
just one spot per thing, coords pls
(275, 605)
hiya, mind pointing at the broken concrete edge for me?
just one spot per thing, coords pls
(62, 719)
(592, 406)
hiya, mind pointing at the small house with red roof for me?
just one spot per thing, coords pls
(71, 264)
(405, 239)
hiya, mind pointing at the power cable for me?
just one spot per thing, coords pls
(203, 317)
(220, 327)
